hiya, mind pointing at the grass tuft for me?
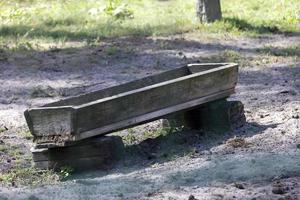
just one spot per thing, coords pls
(27, 135)
(28, 176)
(285, 51)
(20, 171)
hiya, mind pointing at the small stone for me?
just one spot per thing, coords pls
(237, 142)
(287, 197)
(295, 116)
(5, 101)
(279, 190)
(44, 91)
(239, 186)
(191, 197)
(150, 194)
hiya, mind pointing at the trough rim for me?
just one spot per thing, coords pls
(123, 94)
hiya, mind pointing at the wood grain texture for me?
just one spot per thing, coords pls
(132, 103)
(152, 98)
(93, 153)
(50, 121)
(153, 115)
(219, 116)
(94, 147)
(111, 91)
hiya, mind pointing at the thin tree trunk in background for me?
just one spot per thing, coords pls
(208, 10)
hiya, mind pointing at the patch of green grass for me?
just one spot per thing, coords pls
(165, 45)
(156, 132)
(15, 153)
(130, 137)
(3, 148)
(10, 150)
(2, 130)
(277, 51)
(266, 56)
(27, 135)
(133, 138)
(110, 51)
(28, 176)
(228, 56)
(260, 16)
(21, 173)
(88, 20)
(65, 172)
(30, 24)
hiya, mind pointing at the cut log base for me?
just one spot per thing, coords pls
(93, 153)
(218, 116)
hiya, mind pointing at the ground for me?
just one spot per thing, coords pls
(51, 50)
(265, 165)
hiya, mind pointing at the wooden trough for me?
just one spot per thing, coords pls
(130, 104)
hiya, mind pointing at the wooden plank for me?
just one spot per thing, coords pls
(201, 67)
(133, 85)
(182, 89)
(148, 99)
(153, 115)
(50, 121)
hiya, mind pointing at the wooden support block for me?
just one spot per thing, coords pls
(219, 116)
(93, 153)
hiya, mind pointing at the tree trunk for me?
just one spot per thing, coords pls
(208, 10)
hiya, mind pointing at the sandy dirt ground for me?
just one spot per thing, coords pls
(265, 166)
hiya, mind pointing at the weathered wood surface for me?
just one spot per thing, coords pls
(93, 153)
(130, 104)
(218, 116)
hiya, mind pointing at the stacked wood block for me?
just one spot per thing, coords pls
(93, 153)
(219, 116)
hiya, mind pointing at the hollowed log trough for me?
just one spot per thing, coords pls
(126, 105)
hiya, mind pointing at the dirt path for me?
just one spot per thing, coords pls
(269, 87)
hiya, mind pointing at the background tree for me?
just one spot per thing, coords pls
(208, 10)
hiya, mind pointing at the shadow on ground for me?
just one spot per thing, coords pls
(168, 148)
(219, 169)
(48, 29)
(112, 62)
